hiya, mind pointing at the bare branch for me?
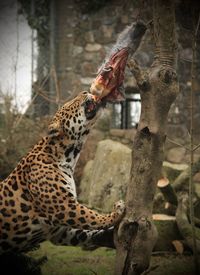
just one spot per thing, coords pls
(58, 93)
(176, 143)
(197, 27)
(196, 147)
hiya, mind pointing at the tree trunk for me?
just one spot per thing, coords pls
(137, 234)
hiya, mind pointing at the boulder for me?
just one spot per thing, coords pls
(87, 153)
(173, 170)
(93, 47)
(106, 177)
(176, 154)
(86, 181)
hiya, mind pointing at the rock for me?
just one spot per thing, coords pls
(125, 141)
(86, 80)
(88, 69)
(197, 177)
(89, 56)
(197, 190)
(95, 57)
(87, 153)
(177, 132)
(89, 37)
(176, 154)
(130, 134)
(124, 19)
(107, 31)
(117, 132)
(93, 47)
(85, 184)
(77, 50)
(127, 134)
(104, 121)
(107, 177)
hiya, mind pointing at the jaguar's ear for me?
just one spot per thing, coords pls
(54, 129)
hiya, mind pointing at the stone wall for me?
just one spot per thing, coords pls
(82, 40)
(84, 35)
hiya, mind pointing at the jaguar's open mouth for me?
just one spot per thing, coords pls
(91, 107)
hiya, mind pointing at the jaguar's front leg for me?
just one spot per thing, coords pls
(90, 239)
(79, 216)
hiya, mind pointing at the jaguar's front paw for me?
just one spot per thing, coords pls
(119, 207)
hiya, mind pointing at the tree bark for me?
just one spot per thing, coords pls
(137, 234)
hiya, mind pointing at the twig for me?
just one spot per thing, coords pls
(17, 57)
(17, 122)
(196, 147)
(47, 98)
(19, 119)
(54, 75)
(45, 80)
(176, 143)
(197, 27)
(185, 59)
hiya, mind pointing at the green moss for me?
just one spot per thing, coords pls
(75, 261)
(173, 265)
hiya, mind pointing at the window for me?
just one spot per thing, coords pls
(126, 114)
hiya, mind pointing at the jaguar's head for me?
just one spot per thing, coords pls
(75, 117)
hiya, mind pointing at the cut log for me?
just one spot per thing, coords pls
(197, 221)
(184, 226)
(181, 181)
(163, 217)
(178, 245)
(167, 191)
(170, 209)
(167, 232)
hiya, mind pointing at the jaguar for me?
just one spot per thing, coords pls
(38, 200)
